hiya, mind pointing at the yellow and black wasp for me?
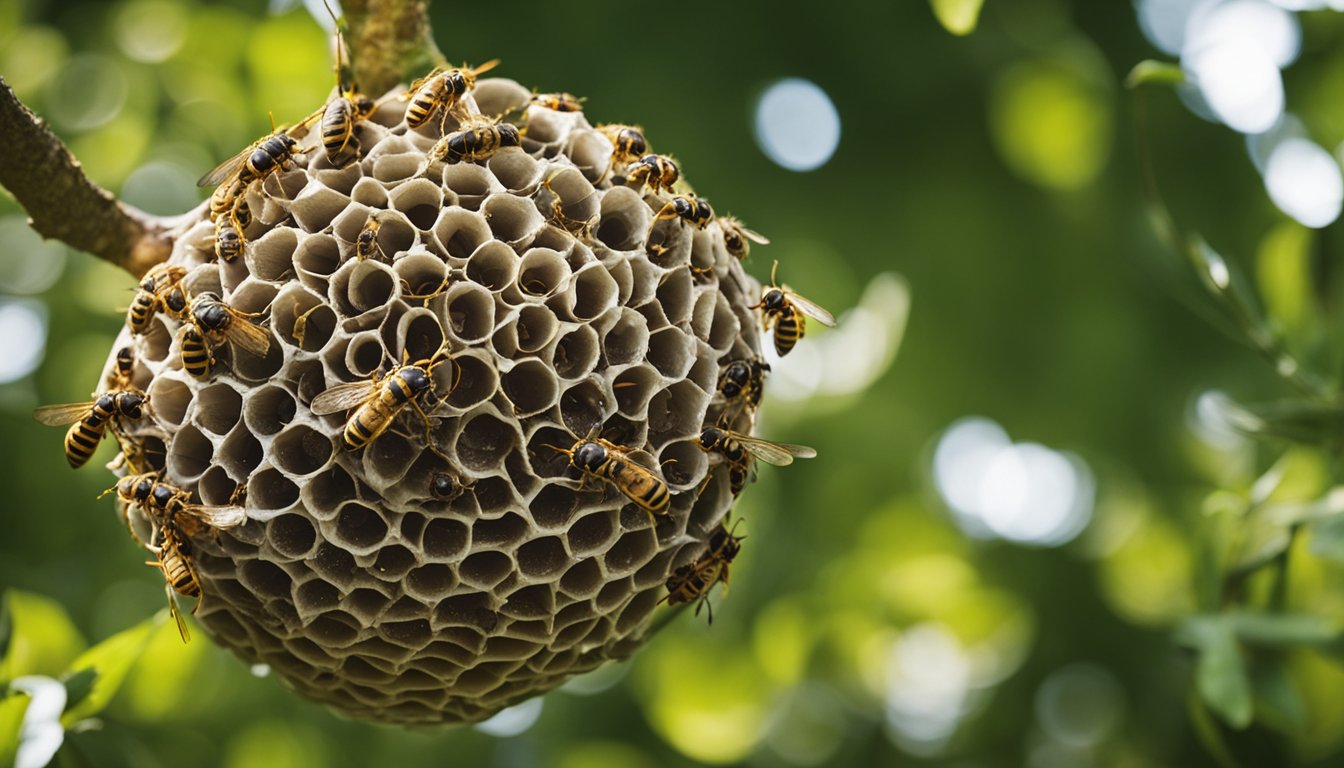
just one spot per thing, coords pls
(693, 210)
(211, 322)
(627, 141)
(442, 89)
(743, 380)
(735, 237)
(607, 461)
(658, 171)
(787, 312)
(690, 583)
(376, 402)
(89, 421)
(159, 290)
(560, 102)
(174, 517)
(479, 140)
(738, 450)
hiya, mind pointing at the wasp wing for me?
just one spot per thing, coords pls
(778, 454)
(753, 235)
(176, 613)
(811, 310)
(342, 397)
(486, 67)
(226, 169)
(245, 334)
(217, 517)
(65, 413)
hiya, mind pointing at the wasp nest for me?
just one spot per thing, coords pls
(457, 564)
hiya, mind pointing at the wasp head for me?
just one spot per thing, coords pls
(589, 456)
(416, 379)
(129, 404)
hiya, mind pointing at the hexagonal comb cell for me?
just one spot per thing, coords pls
(460, 560)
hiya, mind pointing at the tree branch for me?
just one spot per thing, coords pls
(391, 42)
(62, 202)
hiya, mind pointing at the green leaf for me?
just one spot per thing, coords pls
(13, 705)
(957, 16)
(43, 639)
(1283, 271)
(78, 686)
(6, 633)
(1327, 539)
(1206, 728)
(1278, 703)
(1220, 674)
(1283, 629)
(1152, 72)
(112, 659)
(1300, 421)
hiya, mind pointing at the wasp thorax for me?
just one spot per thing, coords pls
(419, 542)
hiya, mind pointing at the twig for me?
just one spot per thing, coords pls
(391, 42)
(63, 203)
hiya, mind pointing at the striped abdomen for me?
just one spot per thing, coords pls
(84, 435)
(177, 569)
(374, 417)
(426, 101)
(789, 327)
(338, 128)
(197, 359)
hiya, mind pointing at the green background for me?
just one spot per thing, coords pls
(998, 173)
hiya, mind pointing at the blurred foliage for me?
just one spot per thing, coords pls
(1195, 620)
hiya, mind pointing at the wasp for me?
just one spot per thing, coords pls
(607, 461)
(263, 157)
(341, 114)
(366, 244)
(478, 142)
(657, 170)
(627, 141)
(179, 573)
(787, 312)
(560, 102)
(693, 210)
(171, 510)
(123, 369)
(228, 240)
(89, 421)
(738, 450)
(211, 322)
(377, 402)
(744, 379)
(447, 486)
(690, 583)
(159, 290)
(441, 90)
(735, 237)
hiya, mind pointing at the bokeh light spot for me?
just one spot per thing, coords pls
(150, 31)
(513, 720)
(1021, 492)
(1052, 122)
(1079, 705)
(28, 264)
(23, 337)
(89, 91)
(1239, 82)
(797, 125)
(1305, 182)
(160, 188)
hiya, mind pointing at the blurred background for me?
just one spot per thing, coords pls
(1032, 537)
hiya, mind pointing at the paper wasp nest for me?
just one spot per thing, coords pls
(356, 584)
